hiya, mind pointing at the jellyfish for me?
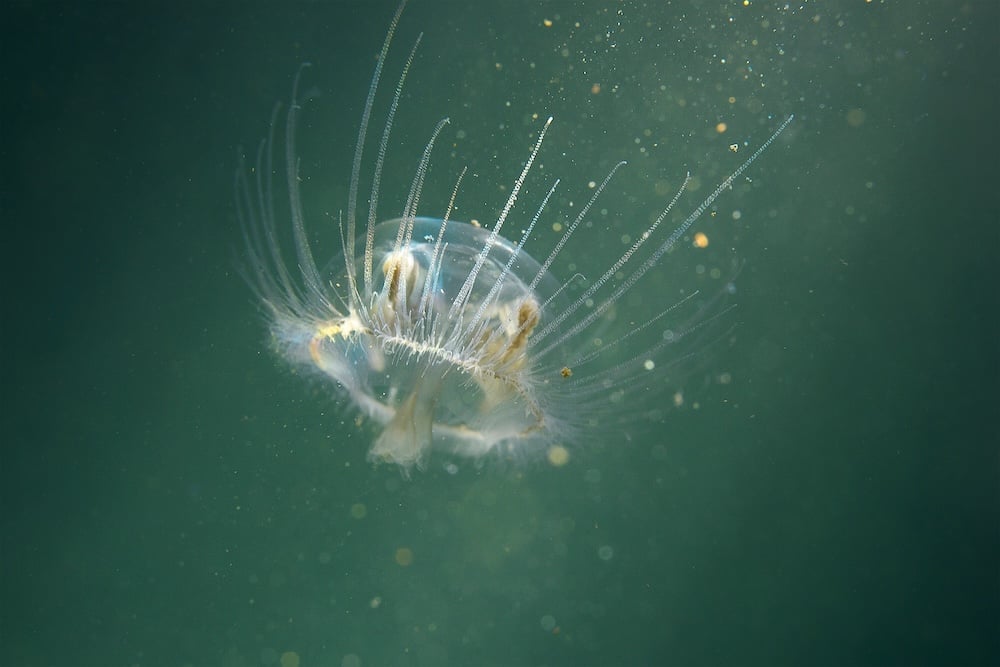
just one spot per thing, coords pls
(450, 336)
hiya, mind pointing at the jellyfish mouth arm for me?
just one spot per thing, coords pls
(406, 438)
(385, 414)
(409, 429)
(411, 414)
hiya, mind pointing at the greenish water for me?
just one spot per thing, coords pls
(174, 495)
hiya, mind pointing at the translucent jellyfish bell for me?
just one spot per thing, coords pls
(441, 357)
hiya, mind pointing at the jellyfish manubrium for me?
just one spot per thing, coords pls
(446, 335)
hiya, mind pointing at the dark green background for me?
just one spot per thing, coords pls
(173, 495)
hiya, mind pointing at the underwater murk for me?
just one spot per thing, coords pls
(458, 337)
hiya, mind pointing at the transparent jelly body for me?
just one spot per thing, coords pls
(436, 360)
